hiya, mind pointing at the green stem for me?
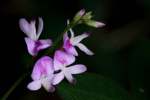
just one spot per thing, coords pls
(14, 86)
(51, 49)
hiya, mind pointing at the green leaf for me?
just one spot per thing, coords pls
(92, 87)
(138, 69)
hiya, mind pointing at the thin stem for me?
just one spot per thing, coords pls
(14, 86)
(71, 25)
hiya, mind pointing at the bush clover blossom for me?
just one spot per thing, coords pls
(62, 60)
(42, 75)
(33, 44)
(70, 43)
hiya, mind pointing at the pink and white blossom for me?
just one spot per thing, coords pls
(62, 60)
(75, 41)
(34, 45)
(42, 75)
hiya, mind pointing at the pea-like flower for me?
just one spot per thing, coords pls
(70, 43)
(33, 44)
(42, 75)
(62, 60)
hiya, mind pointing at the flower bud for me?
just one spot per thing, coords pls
(79, 15)
(93, 23)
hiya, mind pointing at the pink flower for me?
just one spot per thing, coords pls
(70, 43)
(33, 44)
(61, 62)
(42, 75)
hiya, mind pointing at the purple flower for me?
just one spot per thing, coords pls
(61, 62)
(42, 75)
(70, 43)
(33, 44)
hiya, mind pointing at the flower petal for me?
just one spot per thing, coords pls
(66, 41)
(95, 24)
(40, 28)
(58, 78)
(77, 39)
(69, 48)
(71, 31)
(34, 85)
(77, 69)
(57, 65)
(43, 66)
(31, 46)
(69, 77)
(99, 24)
(47, 84)
(43, 44)
(72, 51)
(65, 38)
(62, 59)
(28, 28)
(84, 49)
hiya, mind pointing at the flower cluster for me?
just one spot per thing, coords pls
(50, 71)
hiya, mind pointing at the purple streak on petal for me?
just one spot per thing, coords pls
(72, 51)
(34, 85)
(43, 44)
(58, 78)
(43, 66)
(68, 46)
(35, 46)
(77, 69)
(67, 43)
(31, 44)
(64, 58)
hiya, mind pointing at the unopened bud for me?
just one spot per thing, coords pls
(95, 24)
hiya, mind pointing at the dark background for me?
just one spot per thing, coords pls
(122, 47)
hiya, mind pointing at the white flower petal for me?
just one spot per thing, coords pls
(34, 85)
(40, 28)
(77, 39)
(77, 69)
(71, 31)
(84, 49)
(28, 28)
(31, 46)
(69, 77)
(58, 78)
(47, 84)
